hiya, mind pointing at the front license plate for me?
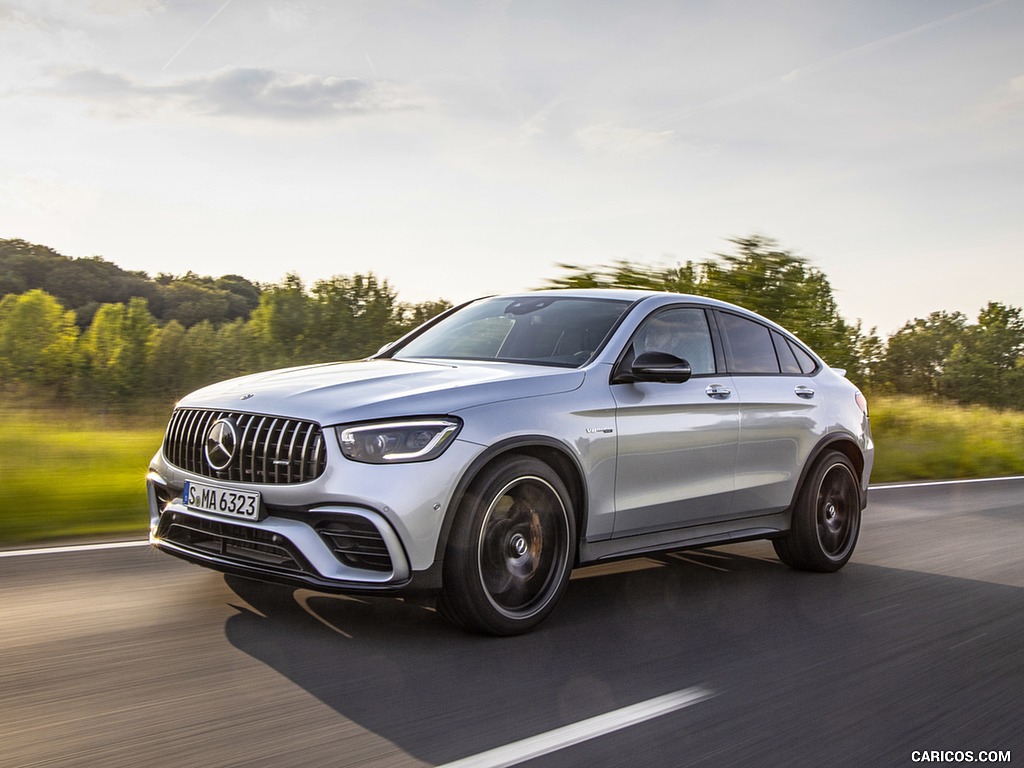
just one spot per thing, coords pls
(222, 501)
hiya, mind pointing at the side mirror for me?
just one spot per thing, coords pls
(658, 367)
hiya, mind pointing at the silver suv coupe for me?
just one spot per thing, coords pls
(485, 454)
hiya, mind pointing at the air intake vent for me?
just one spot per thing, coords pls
(241, 544)
(356, 542)
(245, 447)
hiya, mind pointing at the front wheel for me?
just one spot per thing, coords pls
(511, 549)
(826, 518)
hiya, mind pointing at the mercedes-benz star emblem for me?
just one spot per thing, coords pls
(221, 442)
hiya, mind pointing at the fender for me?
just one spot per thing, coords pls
(841, 441)
(540, 446)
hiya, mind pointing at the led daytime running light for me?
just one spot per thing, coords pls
(397, 442)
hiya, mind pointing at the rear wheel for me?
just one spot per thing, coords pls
(511, 549)
(826, 518)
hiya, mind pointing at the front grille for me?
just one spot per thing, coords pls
(267, 449)
(229, 541)
(356, 542)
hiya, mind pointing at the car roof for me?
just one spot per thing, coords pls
(628, 294)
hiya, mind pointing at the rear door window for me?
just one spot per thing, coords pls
(787, 357)
(749, 346)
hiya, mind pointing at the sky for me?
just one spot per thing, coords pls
(460, 148)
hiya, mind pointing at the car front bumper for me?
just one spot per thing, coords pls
(357, 529)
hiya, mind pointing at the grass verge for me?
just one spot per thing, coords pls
(920, 439)
(66, 475)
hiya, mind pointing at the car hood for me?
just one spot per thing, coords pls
(337, 393)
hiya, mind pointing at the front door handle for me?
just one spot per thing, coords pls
(718, 392)
(805, 392)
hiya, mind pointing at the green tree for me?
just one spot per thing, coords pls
(37, 340)
(280, 324)
(353, 316)
(114, 351)
(986, 364)
(101, 347)
(190, 304)
(234, 349)
(22, 266)
(415, 315)
(192, 298)
(245, 294)
(202, 363)
(683, 278)
(84, 284)
(137, 333)
(868, 350)
(166, 359)
(916, 355)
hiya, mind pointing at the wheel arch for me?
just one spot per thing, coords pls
(845, 444)
(552, 452)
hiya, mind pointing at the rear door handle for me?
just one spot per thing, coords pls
(718, 392)
(804, 392)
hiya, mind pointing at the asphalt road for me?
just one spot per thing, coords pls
(128, 657)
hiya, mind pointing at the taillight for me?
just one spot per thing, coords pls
(862, 403)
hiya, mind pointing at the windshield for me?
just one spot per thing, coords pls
(544, 330)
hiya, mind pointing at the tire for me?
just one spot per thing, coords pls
(826, 518)
(511, 549)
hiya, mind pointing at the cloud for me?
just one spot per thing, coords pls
(124, 7)
(289, 16)
(265, 93)
(1006, 104)
(241, 92)
(607, 138)
(67, 14)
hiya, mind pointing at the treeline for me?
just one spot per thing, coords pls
(84, 285)
(125, 354)
(163, 337)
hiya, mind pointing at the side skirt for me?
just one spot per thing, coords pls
(761, 527)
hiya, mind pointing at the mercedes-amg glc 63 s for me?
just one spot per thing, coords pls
(485, 454)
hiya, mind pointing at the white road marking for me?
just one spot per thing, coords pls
(71, 548)
(927, 483)
(566, 736)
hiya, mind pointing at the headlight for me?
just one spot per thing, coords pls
(398, 441)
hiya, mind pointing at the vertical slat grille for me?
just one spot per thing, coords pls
(266, 449)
